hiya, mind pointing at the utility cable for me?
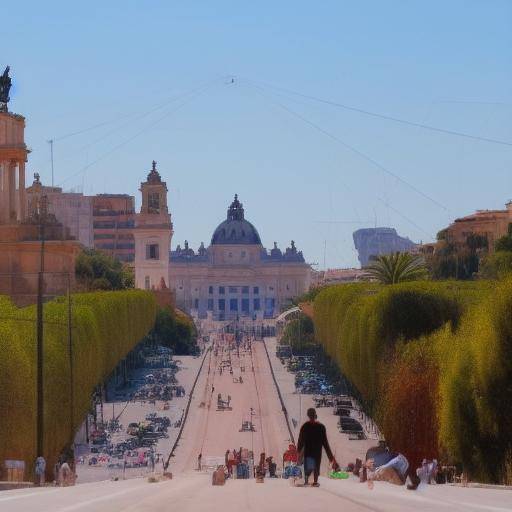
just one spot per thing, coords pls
(137, 134)
(387, 117)
(351, 148)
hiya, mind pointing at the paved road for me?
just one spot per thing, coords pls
(212, 432)
(192, 492)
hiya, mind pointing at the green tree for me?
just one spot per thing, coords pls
(505, 242)
(397, 268)
(174, 330)
(299, 333)
(497, 265)
(97, 271)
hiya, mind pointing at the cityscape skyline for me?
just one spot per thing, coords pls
(228, 130)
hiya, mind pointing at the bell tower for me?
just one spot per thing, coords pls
(153, 233)
(154, 193)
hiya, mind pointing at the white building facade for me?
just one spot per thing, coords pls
(236, 277)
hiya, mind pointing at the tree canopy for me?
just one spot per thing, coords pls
(97, 271)
(175, 330)
(397, 268)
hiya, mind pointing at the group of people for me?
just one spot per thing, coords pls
(380, 463)
(64, 475)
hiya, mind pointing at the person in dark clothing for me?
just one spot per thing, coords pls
(312, 438)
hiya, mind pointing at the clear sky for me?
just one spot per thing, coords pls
(156, 75)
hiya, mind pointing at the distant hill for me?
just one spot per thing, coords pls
(376, 241)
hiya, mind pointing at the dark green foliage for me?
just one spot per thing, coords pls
(398, 267)
(505, 242)
(98, 271)
(496, 265)
(175, 330)
(299, 333)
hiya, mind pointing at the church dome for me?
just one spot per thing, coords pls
(235, 229)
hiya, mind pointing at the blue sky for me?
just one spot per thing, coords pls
(157, 74)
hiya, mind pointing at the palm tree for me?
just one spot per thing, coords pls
(397, 268)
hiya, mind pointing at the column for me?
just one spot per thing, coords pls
(11, 191)
(3, 189)
(22, 214)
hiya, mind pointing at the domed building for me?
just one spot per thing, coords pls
(236, 277)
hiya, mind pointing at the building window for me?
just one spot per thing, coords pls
(210, 304)
(222, 304)
(257, 304)
(270, 288)
(152, 252)
(233, 304)
(245, 305)
(233, 289)
(154, 202)
(222, 290)
(146, 283)
(243, 254)
(256, 290)
(210, 290)
(245, 289)
(196, 303)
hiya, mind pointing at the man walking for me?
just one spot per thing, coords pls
(312, 438)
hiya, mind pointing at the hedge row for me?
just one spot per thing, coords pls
(359, 324)
(433, 362)
(105, 327)
(475, 384)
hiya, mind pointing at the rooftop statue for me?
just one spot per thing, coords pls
(5, 87)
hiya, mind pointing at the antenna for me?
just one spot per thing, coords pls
(51, 155)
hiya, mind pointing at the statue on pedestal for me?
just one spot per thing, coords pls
(5, 87)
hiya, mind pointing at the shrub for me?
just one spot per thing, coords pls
(476, 387)
(359, 324)
(433, 362)
(106, 326)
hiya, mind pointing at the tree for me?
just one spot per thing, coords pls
(299, 333)
(496, 265)
(397, 268)
(175, 330)
(95, 270)
(505, 242)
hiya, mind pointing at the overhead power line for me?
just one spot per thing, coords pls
(137, 134)
(385, 116)
(348, 146)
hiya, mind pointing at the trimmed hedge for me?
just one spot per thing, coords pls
(359, 324)
(476, 388)
(433, 363)
(106, 326)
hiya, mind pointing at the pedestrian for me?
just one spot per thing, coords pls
(312, 438)
(199, 459)
(40, 469)
(151, 461)
(56, 470)
(65, 474)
